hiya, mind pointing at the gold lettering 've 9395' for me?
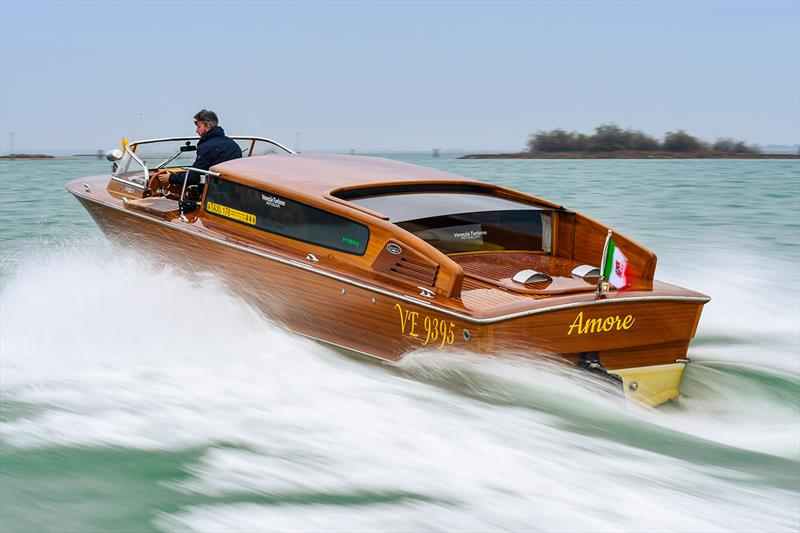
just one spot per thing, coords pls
(435, 330)
(599, 325)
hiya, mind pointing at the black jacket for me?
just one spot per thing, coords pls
(212, 148)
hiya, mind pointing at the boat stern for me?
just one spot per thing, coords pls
(638, 340)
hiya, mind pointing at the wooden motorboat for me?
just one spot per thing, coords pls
(383, 258)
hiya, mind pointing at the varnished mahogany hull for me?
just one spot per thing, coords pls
(353, 315)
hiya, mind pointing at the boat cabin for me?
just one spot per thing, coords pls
(385, 221)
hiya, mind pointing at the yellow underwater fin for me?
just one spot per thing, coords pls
(652, 385)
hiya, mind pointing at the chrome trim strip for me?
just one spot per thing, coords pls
(410, 299)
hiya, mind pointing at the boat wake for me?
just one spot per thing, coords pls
(143, 380)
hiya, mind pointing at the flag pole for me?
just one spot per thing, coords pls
(603, 266)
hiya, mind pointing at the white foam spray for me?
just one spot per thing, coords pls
(116, 351)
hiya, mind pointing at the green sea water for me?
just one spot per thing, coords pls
(122, 409)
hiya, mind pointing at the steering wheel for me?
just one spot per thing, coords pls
(154, 186)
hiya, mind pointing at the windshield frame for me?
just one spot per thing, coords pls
(121, 168)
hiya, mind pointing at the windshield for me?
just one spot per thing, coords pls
(181, 152)
(159, 154)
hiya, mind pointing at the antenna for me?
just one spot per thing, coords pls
(138, 123)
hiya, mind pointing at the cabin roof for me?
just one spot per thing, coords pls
(318, 174)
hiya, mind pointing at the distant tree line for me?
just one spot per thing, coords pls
(610, 138)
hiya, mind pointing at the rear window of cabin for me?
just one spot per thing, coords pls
(284, 216)
(459, 222)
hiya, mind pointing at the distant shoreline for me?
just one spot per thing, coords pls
(629, 154)
(27, 156)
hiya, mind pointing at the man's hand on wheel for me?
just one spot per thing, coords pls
(163, 178)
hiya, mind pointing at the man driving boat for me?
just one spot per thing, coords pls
(212, 148)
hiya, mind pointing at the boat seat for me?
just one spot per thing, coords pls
(155, 205)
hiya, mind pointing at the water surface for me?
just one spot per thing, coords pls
(135, 398)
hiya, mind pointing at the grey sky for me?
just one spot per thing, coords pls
(411, 75)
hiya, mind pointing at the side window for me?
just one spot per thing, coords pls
(284, 216)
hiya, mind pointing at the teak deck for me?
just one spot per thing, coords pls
(377, 304)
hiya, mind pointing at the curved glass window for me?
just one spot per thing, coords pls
(486, 231)
(456, 222)
(283, 216)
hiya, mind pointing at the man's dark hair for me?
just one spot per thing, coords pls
(209, 117)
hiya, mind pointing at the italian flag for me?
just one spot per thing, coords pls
(615, 265)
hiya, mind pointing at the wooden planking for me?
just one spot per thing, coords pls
(564, 242)
(489, 298)
(498, 268)
(479, 295)
(499, 265)
(651, 354)
(654, 324)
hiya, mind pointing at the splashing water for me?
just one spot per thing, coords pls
(285, 433)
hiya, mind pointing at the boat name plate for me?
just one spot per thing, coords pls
(435, 330)
(600, 325)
